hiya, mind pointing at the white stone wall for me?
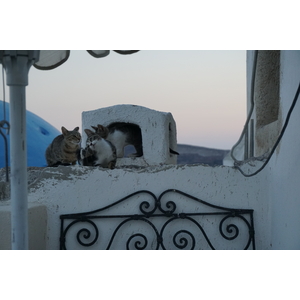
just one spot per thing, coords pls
(282, 173)
(284, 168)
(37, 226)
(76, 189)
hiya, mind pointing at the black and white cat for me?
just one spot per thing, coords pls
(121, 135)
(98, 152)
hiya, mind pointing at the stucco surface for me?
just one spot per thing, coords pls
(76, 189)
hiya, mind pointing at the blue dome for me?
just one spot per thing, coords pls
(39, 135)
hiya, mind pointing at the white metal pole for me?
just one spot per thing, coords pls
(18, 164)
(17, 65)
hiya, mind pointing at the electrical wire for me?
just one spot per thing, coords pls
(236, 161)
(278, 139)
(3, 86)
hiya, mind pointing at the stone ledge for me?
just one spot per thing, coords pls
(37, 226)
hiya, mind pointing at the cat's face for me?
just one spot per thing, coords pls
(92, 140)
(72, 136)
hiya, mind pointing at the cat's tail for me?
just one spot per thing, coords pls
(81, 154)
(173, 152)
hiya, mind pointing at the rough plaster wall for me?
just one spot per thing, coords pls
(79, 189)
(267, 87)
(284, 174)
(266, 98)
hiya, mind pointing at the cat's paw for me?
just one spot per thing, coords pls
(111, 165)
(133, 155)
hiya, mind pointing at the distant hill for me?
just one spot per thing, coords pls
(200, 155)
(189, 155)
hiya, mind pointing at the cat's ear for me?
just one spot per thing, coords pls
(64, 130)
(95, 128)
(76, 128)
(103, 131)
(88, 132)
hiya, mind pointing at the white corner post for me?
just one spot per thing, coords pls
(17, 64)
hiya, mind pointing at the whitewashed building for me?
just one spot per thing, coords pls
(263, 181)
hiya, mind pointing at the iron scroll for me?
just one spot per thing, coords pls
(156, 223)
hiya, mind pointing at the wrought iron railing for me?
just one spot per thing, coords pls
(174, 220)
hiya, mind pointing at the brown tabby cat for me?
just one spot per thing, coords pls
(63, 149)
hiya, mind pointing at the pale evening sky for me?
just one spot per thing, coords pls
(204, 90)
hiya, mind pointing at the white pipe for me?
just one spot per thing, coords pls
(17, 65)
(18, 164)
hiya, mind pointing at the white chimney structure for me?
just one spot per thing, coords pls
(158, 131)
